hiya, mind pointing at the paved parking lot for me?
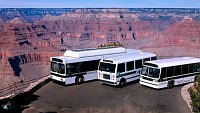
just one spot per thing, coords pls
(93, 97)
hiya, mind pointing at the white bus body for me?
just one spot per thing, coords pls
(77, 66)
(124, 68)
(169, 72)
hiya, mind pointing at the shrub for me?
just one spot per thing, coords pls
(197, 84)
(195, 96)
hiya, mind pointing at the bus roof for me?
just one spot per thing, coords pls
(174, 61)
(130, 57)
(94, 52)
(94, 55)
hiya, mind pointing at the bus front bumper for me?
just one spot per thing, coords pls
(109, 82)
(150, 84)
(57, 78)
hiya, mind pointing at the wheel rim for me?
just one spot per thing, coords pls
(79, 80)
(170, 85)
(122, 83)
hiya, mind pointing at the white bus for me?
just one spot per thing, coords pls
(81, 65)
(124, 68)
(169, 72)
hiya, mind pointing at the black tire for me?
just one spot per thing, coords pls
(122, 83)
(79, 80)
(170, 84)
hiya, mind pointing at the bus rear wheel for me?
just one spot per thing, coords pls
(79, 80)
(170, 84)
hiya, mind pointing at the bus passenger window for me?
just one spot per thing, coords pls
(146, 59)
(130, 66)
(154, 58)
(121, 68)
(198, 67)
(73, 68)
(138, 64)
(192, 68)
(163, 73)
(185, 69)
(170, 71)
(177, 70)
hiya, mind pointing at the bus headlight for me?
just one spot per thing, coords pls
(100, 75)
(113, 77)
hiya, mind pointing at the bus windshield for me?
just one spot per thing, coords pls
(58, 67)
(107, 67)
(152, 72)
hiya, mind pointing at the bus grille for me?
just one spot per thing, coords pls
(149, 79)
(105, 76)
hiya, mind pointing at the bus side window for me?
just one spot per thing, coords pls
(146, 59)
(73, 68)
(192, 68)
(130, 65)
(198, 67)
(170, 71)
(138, 64)
(89, 65)
(153, 58)
(93, 65)
(177, 70)
(185, 69)
(163, 73)
(121, 68)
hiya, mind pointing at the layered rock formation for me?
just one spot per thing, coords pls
(181, 39)
(20, 44)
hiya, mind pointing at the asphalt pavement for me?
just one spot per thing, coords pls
(93, 97)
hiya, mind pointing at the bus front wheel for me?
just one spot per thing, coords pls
(79, 80)
(170, 84)
(122, 83)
